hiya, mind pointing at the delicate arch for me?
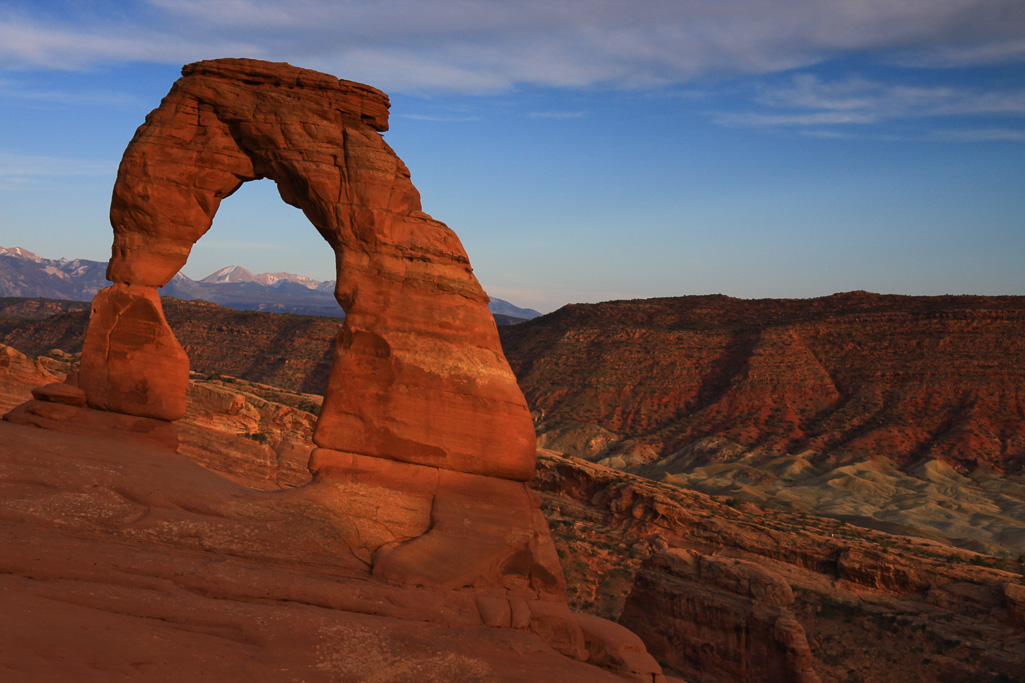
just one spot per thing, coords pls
(418, 376)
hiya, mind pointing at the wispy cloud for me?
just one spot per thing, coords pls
(441, 119)
(24, 172)
(820, 118)
(981, 135)
(12, 90)
(481, 45)
(888, 100)
(559, 115)
(31, 43)
(25, 166)
(813, 103)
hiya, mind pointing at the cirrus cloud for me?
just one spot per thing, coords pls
(481, 45)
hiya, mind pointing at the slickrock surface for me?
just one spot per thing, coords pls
(903, 413)
(130, 562)
(151, 557)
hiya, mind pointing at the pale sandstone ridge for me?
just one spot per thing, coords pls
(418, 508)
(418, 375)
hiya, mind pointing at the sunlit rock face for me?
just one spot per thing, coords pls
(418, 373)
(424, 443)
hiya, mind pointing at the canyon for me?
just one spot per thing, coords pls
(867, 605)
(720, 490)
(903, 414)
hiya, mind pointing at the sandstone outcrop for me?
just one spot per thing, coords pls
(718, 619)
(418, 374)
(124, 561)
(255, 434)
(419, 507)
(131, 362)
(873, 606)
(19, 374)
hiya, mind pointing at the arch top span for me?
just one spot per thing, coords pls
(418, 376)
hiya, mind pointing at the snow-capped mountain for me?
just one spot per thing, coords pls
(275, 279)
(24, 274)
(240, 274)
(18, 252)
(229, 274)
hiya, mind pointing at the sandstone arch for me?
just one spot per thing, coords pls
(419, 508)
(418, 374)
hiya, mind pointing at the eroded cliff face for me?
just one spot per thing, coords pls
(903, 377)
(719, 619)
(901, 413)
(708, 586)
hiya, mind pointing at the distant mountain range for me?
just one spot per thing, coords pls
(24, 274)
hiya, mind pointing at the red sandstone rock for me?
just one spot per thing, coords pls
(18, 375)
(613, 646)
(880, 569)
(418, 375)
(419, 500)
(719, 619)
(232, 428)
(82, 420)
(874, 606)
(131, 362)
(1014, 599)
(896, 377)
(60, 392)
(127, 562)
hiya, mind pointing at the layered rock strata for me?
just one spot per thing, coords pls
(424, 440)
(418, 374)
(875, 607)
(681, 382)
(719, 619)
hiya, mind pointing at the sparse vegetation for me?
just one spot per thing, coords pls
(259, 437)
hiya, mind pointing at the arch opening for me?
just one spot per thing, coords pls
(255, 229)
(233, 423)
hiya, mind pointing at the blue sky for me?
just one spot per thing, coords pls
(582, 150)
